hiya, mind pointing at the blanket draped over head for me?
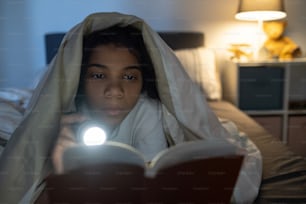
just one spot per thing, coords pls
(26, 156)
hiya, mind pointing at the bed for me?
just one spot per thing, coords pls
(284, 173)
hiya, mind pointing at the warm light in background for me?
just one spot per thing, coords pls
(260, 10)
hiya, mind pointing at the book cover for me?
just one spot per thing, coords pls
(192, 172)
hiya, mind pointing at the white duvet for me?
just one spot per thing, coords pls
(13, 103)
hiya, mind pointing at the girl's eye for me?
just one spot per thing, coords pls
(129, 77)
(96, 76)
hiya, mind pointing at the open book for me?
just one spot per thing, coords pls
(192, 172)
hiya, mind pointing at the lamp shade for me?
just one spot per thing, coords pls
(256, 10)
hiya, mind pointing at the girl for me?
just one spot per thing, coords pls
(117, 88)
(120, 94)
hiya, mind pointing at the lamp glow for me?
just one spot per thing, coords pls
(91, 133)
(260, 10)
(260, 15)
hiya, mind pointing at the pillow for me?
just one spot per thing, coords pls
(10, 118)
(16, 96)
(13, 103)
(200, 64)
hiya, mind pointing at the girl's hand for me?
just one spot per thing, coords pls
(66, 139)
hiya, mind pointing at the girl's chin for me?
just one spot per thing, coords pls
(111, 117)
(110, 121)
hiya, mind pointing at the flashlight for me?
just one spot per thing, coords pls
(91, 133)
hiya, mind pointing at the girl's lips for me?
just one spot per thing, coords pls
(113, 111)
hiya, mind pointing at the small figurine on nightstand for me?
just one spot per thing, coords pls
(240, 52)
(278, 46)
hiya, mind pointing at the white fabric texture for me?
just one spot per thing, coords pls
(200, 64)
(249, 179)
(19, 97)
(26, 159)
(13, 103)
(143, 129)
(10, 118)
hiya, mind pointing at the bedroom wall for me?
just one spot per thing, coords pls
(24, 23)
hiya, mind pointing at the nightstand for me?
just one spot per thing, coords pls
(274, 94)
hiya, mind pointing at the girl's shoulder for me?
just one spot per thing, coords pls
(145, 101)
(147, 109)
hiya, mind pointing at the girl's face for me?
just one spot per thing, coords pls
(113, 83)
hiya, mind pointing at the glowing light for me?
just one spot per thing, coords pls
(260, 15)
(94, 136)
(91, 133)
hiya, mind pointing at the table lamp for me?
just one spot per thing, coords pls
(260, 10)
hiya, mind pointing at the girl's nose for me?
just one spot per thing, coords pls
(114, 89)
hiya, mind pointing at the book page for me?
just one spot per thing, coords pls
(110, 152)
(192, 150)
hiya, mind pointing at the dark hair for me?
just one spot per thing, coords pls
(128, 37)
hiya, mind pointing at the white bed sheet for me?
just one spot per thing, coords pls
(13, 103)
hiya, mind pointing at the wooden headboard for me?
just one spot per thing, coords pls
(175, 39)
